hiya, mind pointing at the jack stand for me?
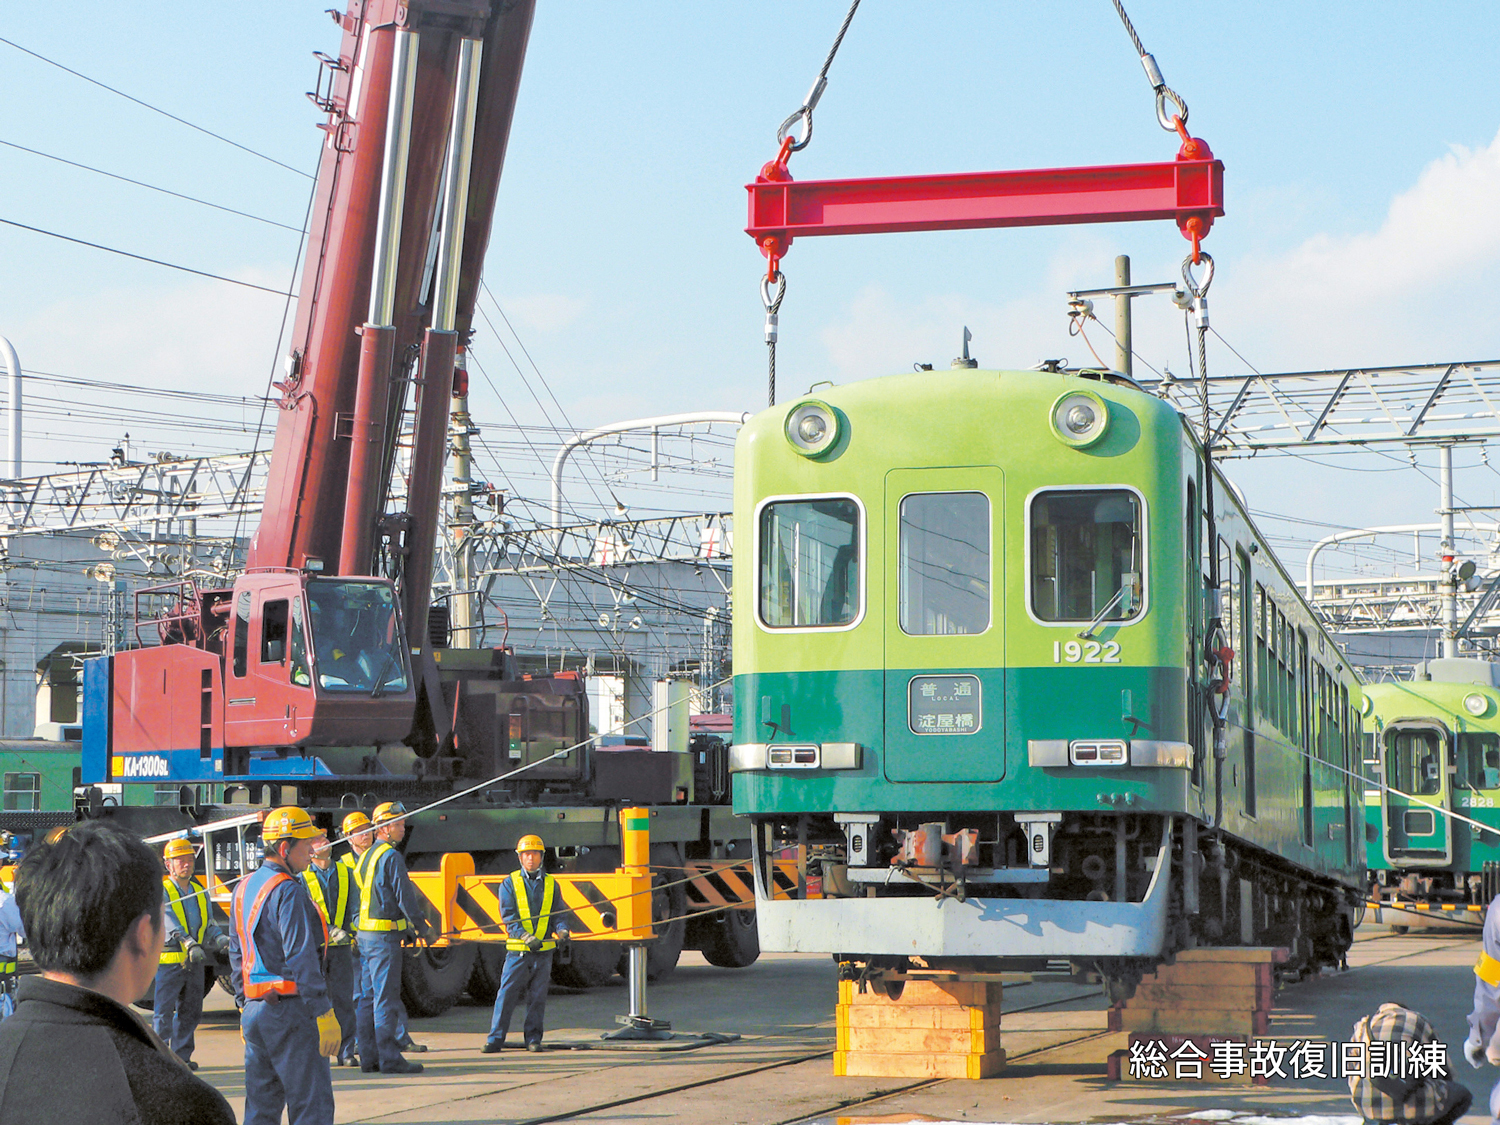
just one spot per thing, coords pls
(638, 1025)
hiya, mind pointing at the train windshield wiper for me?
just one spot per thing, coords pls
(1098, 617)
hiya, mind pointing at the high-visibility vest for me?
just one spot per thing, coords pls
(258, 981)
(538, 926)
(177, 904)
(339, 917)
(364, 875)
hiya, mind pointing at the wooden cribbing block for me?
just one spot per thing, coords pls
(926, 993)
(919, 1040)
(1189, 1022)
(919, 1016)
(1238, 974)
(934, 1029)
(872, 1064)
(1258, 997)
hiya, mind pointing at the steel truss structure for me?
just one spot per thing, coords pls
(1428, 404)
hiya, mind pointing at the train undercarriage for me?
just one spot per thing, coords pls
(1112, 893)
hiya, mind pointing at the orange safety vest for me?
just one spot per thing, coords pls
(258, 981)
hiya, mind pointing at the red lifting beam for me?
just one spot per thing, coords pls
(1189, 190)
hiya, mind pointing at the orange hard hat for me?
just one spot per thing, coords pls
(389, 812)
(177, 849)
(289, 823)
(530, 843)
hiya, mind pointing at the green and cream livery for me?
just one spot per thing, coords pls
(969, 621)
(1431, 747)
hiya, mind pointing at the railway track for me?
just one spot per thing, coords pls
(637, 1099)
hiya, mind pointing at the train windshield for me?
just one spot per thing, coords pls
(356, 635)
(809, 563)
(1086, 555)
(1414, 762)
(945, 563)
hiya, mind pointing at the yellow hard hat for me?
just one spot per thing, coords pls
(289, 823)
(354, 822)
(177, 849)
(391, 810)
(530, 843)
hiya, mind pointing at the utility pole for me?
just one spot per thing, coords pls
(461, 604)
(1122, 315)
(1446, 551)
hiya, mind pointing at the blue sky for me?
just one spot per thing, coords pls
(1362, 183)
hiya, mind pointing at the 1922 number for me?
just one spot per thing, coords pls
(1087, 652)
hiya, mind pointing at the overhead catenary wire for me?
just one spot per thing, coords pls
(144, 258)
(153, 108)
(150, 187)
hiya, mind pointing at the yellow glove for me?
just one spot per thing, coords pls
(329, 1035)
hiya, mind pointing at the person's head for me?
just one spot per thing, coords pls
(322, 852)
(91, 902)
(390, 822)
(529, 852)
(356, 829)
(288, 834)
(179, 860)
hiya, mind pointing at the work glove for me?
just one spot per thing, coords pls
(1474, 1049)
(196, 954)
(329, 1034)
(534, 943)
(564, 947)
(221, 944)
(337, 936)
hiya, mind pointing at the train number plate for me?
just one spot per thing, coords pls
(1086, 652)
(943, 705)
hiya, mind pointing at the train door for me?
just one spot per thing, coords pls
(945, 679)
(1416, 776)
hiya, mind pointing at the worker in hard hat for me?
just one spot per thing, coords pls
(12, 931)
(276, 957)
(359, 834)
(534, 918)
(193, 940)
(336, 895)
(391, 909)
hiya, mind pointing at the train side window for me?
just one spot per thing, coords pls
(809, 563)
(944, 570)
(1478, 760)
(273, 619)
(1086, 555)
(241, 632)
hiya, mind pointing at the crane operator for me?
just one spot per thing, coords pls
(391, 909)
(275, 956)
(192, 938)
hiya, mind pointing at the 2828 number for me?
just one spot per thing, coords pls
(1086, 652)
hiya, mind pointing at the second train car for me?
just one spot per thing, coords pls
(971, 687)
(1432, 747)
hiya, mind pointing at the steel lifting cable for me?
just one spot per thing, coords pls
(1177, 121)
(773, 285)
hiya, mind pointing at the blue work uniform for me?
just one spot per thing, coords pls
(391, 907)
(11, 930)
(177, 1003)
(336, 895)
(530, 906)
(275, 955)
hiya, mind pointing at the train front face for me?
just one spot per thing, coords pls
(960, 641)
(1430, 747)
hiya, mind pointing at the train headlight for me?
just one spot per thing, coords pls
(812, 427)
(1080, 418)
(1476, 704)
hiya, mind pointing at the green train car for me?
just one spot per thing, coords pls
(1432, 745)
(971, 694)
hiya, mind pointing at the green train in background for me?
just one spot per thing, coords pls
(972, 693)
(1431, 745)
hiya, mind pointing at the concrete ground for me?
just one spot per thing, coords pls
(780, 1070)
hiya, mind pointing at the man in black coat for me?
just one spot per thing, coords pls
(74, 1053)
